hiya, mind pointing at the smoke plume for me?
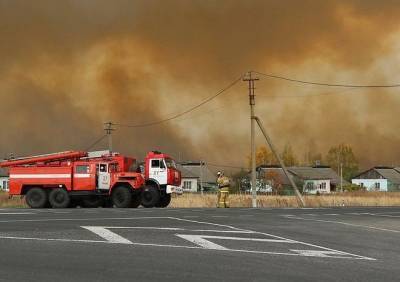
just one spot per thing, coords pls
(69, 66)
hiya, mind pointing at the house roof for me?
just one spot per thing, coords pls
(195, 170)
(3, 172)
(389, 173)
(276, 173)
(307, 173)
(316, 173)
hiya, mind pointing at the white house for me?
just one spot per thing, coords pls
(315, 180)
(381, 179)
(3, 180)
(196, 175)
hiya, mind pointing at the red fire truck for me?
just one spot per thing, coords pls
(92, 179)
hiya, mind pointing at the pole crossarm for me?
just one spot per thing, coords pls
(108, 128)
(275, 152)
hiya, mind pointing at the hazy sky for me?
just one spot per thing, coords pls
(68, 66)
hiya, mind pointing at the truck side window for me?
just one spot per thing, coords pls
(155, 163)
(82, 169)
(113, 167)
(103, 168)
(162, 165)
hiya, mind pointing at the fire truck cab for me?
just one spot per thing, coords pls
(162, 178)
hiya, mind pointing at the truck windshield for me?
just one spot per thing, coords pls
(170, 163)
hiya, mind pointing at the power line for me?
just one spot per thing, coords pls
(325, 84)
(344, 92)
(96, 142)
(184, 112)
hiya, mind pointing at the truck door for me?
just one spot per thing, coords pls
(158, 171)
(104, 178)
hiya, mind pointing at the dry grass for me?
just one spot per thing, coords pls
(15, 202)
(187, 200)
(332, 200)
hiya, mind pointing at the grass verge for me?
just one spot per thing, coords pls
(373, 199)
(349, 199)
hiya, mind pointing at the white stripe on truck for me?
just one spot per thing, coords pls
(82, 175)
(23, 176)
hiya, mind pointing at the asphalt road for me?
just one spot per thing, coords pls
(338, 244)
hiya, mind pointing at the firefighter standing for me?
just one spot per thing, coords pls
(223, 190)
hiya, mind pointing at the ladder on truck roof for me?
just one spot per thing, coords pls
(60, 156)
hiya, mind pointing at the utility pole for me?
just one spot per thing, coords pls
(201, 176)
(109, 129)
(252, 103)
(341, 177)
(275, 152)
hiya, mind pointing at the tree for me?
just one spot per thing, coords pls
(288, 156)
(263, 157)
(343, 154)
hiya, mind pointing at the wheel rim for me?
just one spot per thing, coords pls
(119, 197)
(147, 196)
(35, 198)
(59, 198)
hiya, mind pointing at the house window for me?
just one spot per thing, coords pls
(323, 185)
(377, 185)
(5, 185)
(187, 185)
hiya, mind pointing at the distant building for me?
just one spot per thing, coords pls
(379, 179)
(3, 179)
(196, 175)
(312, 180)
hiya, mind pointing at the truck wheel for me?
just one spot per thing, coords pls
(150, 196)
(164, 201)
(136, 200)
(92, 202)
(122, 197)
(59, 198)
(36, 198)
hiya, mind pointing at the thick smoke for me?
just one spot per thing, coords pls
(68, 66)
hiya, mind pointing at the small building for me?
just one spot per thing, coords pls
(318, 179)
(3, 179)
(197, 176)
(312, 180)
(271, 178)
(379, 179)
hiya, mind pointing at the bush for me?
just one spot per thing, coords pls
(353, 187)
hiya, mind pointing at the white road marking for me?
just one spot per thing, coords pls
(200, 241)
(279, 237)
(140, 227)
(222, 231)
(113, 238)
(82, 219)
(107, 234)
(344, 223)
(10, 213)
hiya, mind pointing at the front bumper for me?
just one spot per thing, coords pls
(174, 189)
